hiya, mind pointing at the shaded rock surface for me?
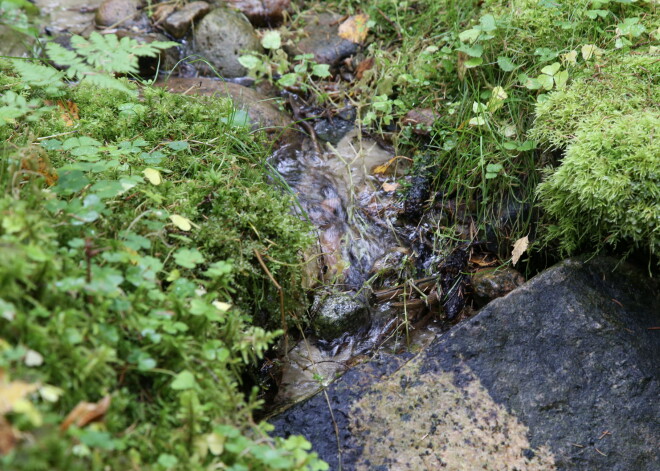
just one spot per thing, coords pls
(262, 12)
(534, 381)
(221, 37)
(261, 112)
(320, 38)
(489, 284)
(179, 22)
(15, 44)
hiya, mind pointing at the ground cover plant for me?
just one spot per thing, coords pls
(134, 228)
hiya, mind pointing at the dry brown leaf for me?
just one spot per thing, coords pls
(8, 436)
(387, 186)
(460, 65)
(86, 412)
(39, 163)
(355, 28)
(519, 248)
(483, 260)
(363, 66)
(68, 111)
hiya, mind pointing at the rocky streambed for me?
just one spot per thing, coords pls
(559, 374)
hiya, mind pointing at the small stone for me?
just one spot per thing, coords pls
(321, 38)
(118, 12)
(337, 314)
(421, 119)
(489, 284)
(179, 22)
(262, 12)
(221, 37)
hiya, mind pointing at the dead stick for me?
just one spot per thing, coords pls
(281, 292)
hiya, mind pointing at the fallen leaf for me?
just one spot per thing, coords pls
(8, 436)
(33, 358)
(153, 176)
(390, 186)
(363, 66)
(383, 169)
(182, 223)
(355, 28)
(461, 68)
(519, 247)
(483, 260)
(11, 393)
(68, 111)
(86, 412)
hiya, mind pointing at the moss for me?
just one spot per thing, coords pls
(607, 188)
(619, 86)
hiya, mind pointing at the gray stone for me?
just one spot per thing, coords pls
(261, 110)
(320, 38)
(560, 374)
(179, 22)
(68, 16)
(336, 314)
(122, 13)
(221, 37)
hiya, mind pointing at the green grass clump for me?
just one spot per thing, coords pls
(128, 234)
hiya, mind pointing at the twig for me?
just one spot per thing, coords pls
(600, 452)
(281, 292)
(397, 28)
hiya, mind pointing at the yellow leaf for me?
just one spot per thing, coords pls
(182, 223)
(223, 307)
(355, 28)
(153, 176)
(12, 393)
(519, 247)
(390, 186)
(216, 443)
(588, 50)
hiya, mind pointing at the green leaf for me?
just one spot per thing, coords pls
(474, 62)
(505, 64)
(545, 54)
(551, 69)
(487, 23)
(321, 70)
(288, 80)
(545, 81)
(249, 61)
(561, 78)
(473, 51)
(188, 258)
(271, 40)
(70, 182)
(184, 380)
(493, 168)
(177, 146)
(471, 35)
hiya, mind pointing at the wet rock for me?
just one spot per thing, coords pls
(337, 314)
(261, 111)
(332, 130)
(494, 283)
(179, 22)
(560, 374)
(122, 13)
(262, 12)
(68, 16)
(221, 37)
(15, 44)
(320, 38)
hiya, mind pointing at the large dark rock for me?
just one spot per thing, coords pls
(562, 373)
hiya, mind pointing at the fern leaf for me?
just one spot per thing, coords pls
(106, 81)
(37, 75)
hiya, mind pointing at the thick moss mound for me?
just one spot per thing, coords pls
(607, 189)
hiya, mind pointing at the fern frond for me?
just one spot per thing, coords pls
(106, 81)
(41, 76)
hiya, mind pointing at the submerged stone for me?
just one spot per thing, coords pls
(321, 39)
(489, 284)
(561, 373)
(337, 314)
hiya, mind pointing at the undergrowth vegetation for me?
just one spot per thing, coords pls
(486, 69)
(133, 233)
